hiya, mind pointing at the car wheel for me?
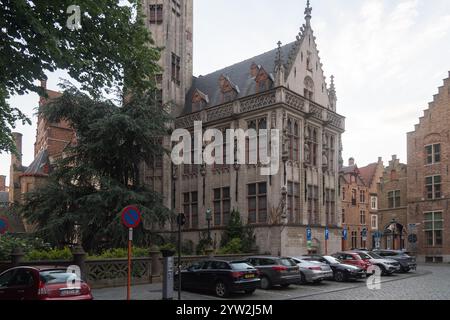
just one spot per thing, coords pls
(339, 276)
(383, 269)
(302, 278)
(222, 290)
(252, 291)
(265, 283)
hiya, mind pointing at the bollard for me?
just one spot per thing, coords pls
(156, 263)
(168, 274)
(16, 256)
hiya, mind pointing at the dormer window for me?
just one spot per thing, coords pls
(263, 81)
(228, 88)
(199, 101)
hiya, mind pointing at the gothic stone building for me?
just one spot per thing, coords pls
(281, 89)
(428, 179)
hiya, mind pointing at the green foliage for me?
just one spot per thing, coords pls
(236, 230)
(49, 255)
(110, 51)
(168, 246)
(27, 244)
(120, 253)
(232, 247)
(101, 174)
(202, 243)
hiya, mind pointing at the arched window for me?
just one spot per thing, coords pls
(309, 88)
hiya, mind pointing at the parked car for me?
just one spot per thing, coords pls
(313, 271)
(341, 272)
(387, 266)
(354, 259)
(42, 283)
(407, 263)
(276, 271)
(221, 277)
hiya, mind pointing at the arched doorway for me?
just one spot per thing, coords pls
(394, 236)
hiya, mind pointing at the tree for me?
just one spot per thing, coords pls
(110, 50)
(236, 230)
(101, 173)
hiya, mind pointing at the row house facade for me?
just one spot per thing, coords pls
(359, 196)
(428, 189)
(282, 89)
(393, 205)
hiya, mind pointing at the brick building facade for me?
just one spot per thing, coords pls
(359, 196)
(51, 140)
(393, 203)
(428, 179)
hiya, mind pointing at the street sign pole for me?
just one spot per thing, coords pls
(130, 240)
(131, 218)
(179, 259)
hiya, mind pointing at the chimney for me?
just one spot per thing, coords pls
(2, 183)
(351, 162)
(17, 159)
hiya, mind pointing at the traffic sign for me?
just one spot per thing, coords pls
(327, 233)
(308, 234)
(131, 217)
(181, 219)
(364, 233)
(4, 225)
(344, 234)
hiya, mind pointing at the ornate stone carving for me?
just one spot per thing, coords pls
(220, 112)
(295, 101)
(258, 102)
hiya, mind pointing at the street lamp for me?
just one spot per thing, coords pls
(208, 219)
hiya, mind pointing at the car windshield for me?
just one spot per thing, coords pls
(287, 262)
(363, 255)
(57, 276)
(332, 259)
(240, 266)
(374, 255)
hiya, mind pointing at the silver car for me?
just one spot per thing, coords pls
(387, 266)
(313, 271)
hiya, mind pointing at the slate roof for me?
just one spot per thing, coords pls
(38, 166)
(238, 74)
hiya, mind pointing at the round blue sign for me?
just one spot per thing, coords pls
(131, 217)
(3, 225)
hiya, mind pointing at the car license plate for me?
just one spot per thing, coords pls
(249, 276)
(69, 292)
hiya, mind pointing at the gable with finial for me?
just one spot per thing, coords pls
(228, 89)
(304, 71)
(200, 100)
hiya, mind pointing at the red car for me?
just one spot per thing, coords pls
(356, 259)
(42, 283)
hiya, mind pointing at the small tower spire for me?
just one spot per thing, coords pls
(279, 60)
(308, 11)
(279, 66)
(332, 94)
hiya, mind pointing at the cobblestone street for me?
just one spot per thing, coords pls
(429, 282)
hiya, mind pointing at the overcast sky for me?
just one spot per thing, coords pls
(388, 56)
